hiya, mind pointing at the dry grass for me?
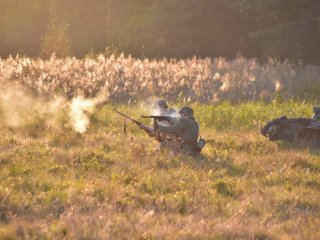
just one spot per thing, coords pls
(125, 79)
(59, 184)
(102, 185)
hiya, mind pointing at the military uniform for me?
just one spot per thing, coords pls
(161, 108)
(315, 121)
(186, 129)
(294, 130)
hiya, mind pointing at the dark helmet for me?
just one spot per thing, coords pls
(160, 104)
(186, 110)
(283, 117)
(316, 110)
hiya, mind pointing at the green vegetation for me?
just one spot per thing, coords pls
(103, 185)
(282, 29)
(68, 171)
(55, 41)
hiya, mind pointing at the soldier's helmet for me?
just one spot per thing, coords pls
(160, 104)
(283, 117)
(186, 110)
(316, 110)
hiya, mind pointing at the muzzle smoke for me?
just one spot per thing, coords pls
(17, 107)
(80, 108)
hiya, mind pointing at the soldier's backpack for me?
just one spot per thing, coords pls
(200, 144)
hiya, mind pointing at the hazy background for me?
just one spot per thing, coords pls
(163, 28)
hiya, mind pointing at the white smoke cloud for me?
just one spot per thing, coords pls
(79, 110)
(17, 106)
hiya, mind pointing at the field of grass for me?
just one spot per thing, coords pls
(60, 184)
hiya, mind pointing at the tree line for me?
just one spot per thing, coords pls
(283, 29)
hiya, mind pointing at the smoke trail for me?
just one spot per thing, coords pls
(18, 106)
(79, 110)
(149, 107)
(15, 104)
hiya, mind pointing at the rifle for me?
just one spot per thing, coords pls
(148, 130)
(160, 118)
(156, 119)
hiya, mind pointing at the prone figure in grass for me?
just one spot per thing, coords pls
(295, 130)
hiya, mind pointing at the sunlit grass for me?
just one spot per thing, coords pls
(128, 80)
(101, 184)
(57, 183)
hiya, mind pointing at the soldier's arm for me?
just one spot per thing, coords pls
(176, 128)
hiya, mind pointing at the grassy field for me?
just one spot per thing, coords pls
(59, 184)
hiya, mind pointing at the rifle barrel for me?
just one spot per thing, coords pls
(141, 125)
(157, 117)
(126, 116)
(144, 116)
